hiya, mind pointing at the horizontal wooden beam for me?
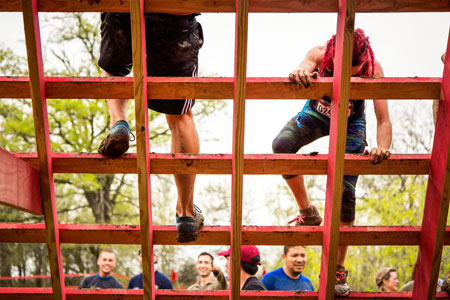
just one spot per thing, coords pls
(191, 6)
(264, 164)
(19, 184)
(117, 294)
(222, 88)
(216, 235)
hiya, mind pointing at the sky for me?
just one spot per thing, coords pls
(406, 44)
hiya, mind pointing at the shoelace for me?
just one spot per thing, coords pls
(299, 220)
(197, 209)
(340, 277)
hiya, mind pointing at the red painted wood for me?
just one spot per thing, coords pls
(142, 145)
(75, 294)
(19, 184)
(37, 87)
(338, 126)
(214, 235)
(222, 88)
(437, 197)
(413, 164)
(192, 6)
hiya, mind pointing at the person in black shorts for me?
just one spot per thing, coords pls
(173, 43)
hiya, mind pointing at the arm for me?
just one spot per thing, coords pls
(312, 60)
(384, 126)
(222, 282)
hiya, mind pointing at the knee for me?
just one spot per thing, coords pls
(281, 145)
(180, 122)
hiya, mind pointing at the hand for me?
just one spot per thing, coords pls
(302, 77)
(377, 155)
(215, 269)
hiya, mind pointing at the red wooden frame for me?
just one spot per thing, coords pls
(430, 237)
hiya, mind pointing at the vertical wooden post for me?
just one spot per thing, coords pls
(37, 86)
(240, 78)
(338, 133)
(437, 198)
(142, 144)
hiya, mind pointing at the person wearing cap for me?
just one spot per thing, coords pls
(250, 259)
(289, 277)
(386, 280)
(206, 281)
(162, 282)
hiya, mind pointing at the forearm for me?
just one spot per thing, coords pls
(384, 135)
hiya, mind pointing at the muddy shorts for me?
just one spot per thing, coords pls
(173, 43)
(308, 126)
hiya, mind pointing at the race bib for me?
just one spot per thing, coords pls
(324, 108)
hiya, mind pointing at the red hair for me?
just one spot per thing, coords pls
(361, 51)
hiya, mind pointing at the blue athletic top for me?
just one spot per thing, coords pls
(277, 280)
(162, 282)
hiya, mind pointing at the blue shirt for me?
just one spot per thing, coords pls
(162, 282)
(277, 280)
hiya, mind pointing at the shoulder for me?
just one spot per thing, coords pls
(116, 283)
(134, 281)
(164, 281)
(378, 69)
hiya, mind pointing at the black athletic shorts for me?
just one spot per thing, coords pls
(173, 43)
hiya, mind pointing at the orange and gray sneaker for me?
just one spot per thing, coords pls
(446, 284)
(189, 227)
(341, 288)
(311, 219)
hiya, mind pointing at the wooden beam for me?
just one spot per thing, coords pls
(266, 164)
(338, 129)
(37, 87)
(138, 39)
(192, 6)
(437, 198)
(117, 294)
(222, 88)
(19, 184)
(237, 173)
(216, 235)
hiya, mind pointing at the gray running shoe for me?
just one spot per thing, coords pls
(189, 227)
(313, 220)
(341, 288)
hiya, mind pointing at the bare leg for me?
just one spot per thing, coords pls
(117, 107)
(342, 250)
(297, 186)
(184, 140)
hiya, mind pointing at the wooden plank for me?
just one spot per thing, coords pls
(19, 184)
(437, 197)
(338, 128)
(267, 164)
(39, 101)
(216, 235)
(183, 6)
(222, 88)
(237, 162)
(74, 294)
(142, 145)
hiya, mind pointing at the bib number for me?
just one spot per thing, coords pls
(325, 109)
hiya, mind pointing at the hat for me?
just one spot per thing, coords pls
(383, 273)
(249, 254)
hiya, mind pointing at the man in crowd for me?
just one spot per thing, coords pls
(289, 277)
(250, 259)
(313, 122)
(103, 279)
(206, 280)
(162, 282)
(173, 43)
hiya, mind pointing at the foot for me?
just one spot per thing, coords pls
(311, 219)
(446, 284)
(189, 227)
(117, 141)
(341, 288)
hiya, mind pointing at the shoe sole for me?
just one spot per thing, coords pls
(186, 237)
(114, 145)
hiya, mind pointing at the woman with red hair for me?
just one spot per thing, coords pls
(313, 122)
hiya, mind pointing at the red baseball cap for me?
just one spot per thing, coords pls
(249, 254)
